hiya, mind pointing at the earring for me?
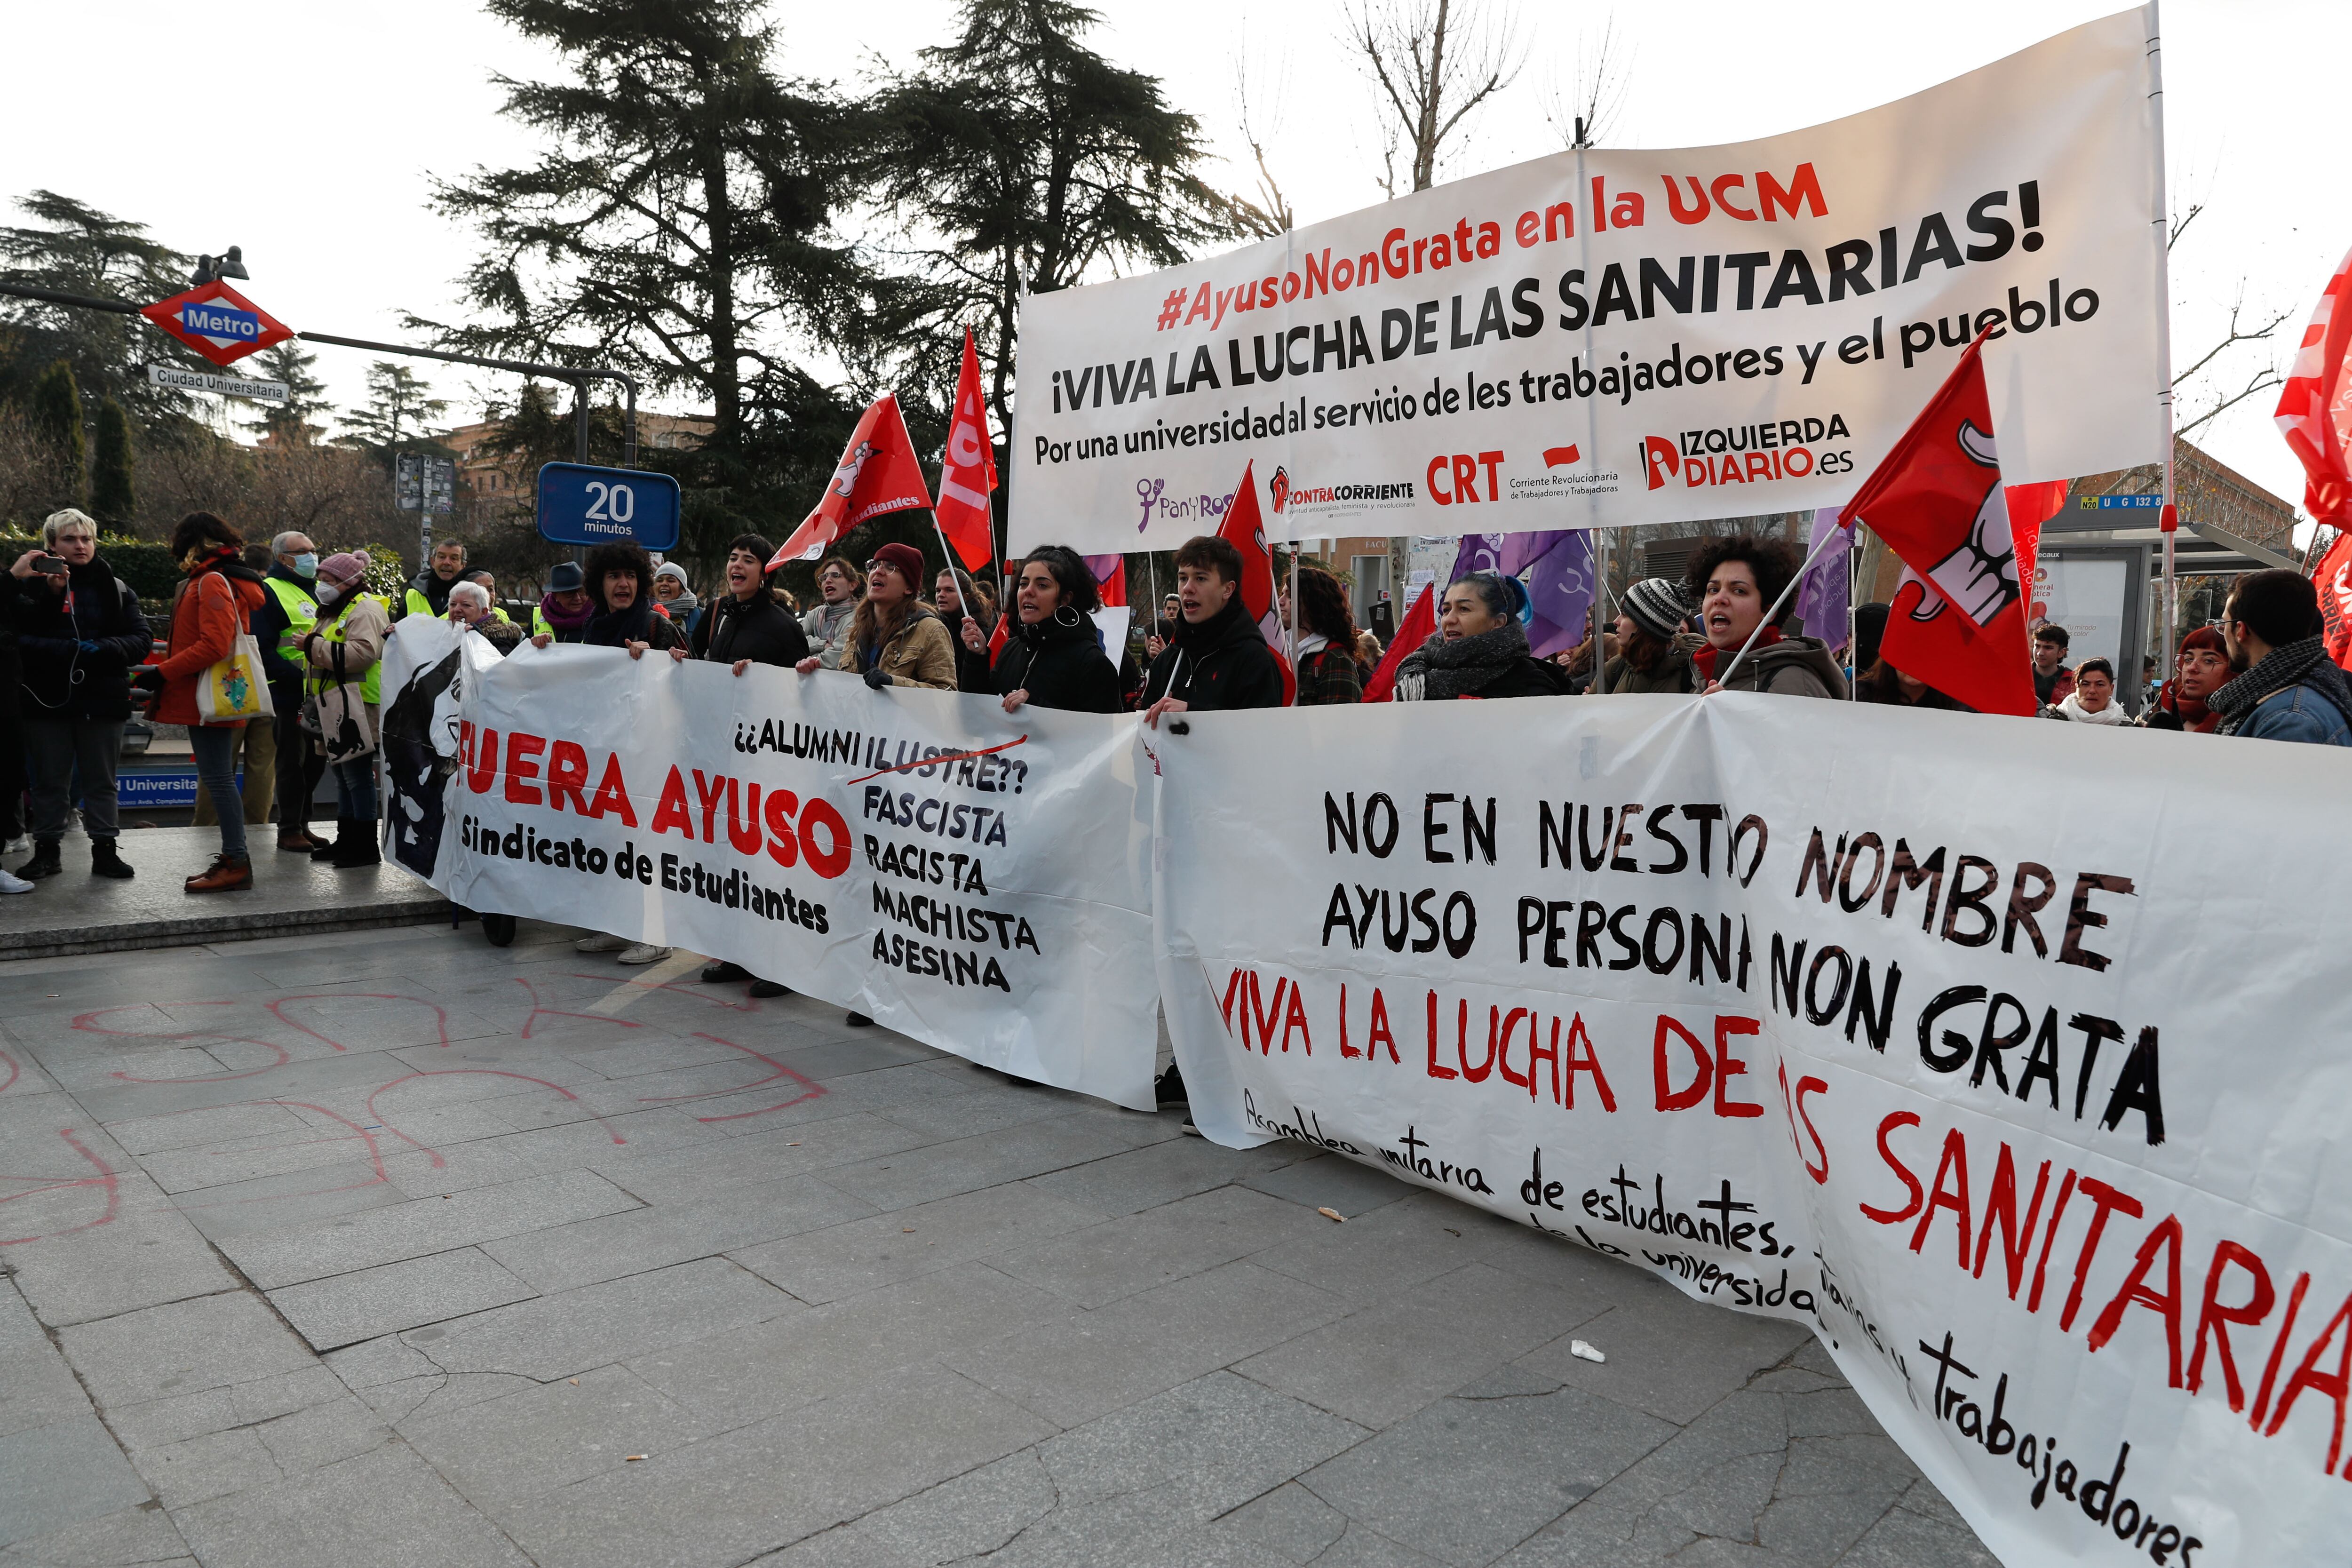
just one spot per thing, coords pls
(1066, 610)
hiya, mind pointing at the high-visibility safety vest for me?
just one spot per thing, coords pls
(302, 614)
(372, 684)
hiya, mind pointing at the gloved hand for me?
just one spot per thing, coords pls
(877, 679)
(87, 646)
(148, 678)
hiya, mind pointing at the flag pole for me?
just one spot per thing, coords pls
(1773, 615)
(1600, 617)
(2159, 207)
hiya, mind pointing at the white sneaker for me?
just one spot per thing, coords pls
(11, 883)
(643, 952)
(600, 944)
(20, 845)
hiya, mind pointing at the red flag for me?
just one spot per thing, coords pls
(1110, 579)
(2333, 580)
(2031, 506)
(997, 638)
(879, 474)
(1419, 622)
(968, 469)
(1244, 529)
(2315, 410)
(1959, 619)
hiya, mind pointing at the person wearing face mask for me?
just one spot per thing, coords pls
(2201, 669)
(80, 631)
(289, 611)
(344, 652)
(1479, 651)
(1736, 582)
(1054, 657)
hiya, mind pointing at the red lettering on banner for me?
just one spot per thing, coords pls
(522, 768)
(1266, 1018)
(2213, 1318)
(1436, 1070)
(2001, 1212)
(743, 829)
(1462, 1043)
(613, 795)
(567, 776)
(1679, 1099)
(1378, 1033)
(709, 792)
(1729, 1067)
(1526, 1080)
(2278, 1350)
(2109, 1201)
(1345, 1048)
(2336, 1386)
(1910, 1183)
(1956, 1198)
(1232, 990)
(1294, 1017)
(670, 814)
(1794, 1105)
(2165, 1303)
(1585, 1061)
(783, 848)
(478, 750)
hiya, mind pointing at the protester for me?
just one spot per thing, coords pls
(961, 608)
(2052, 681)
(1163, 630)
(895, 639)
(1216, 657)
(1657, 651)
(1053, 657)
(2290, 689)
(210, 610)
(1576, 662)
(1323, 651)
(2093, 701)
(1736, 582)
(745, 627)
(428, 591)
(78, 632)
(470, 607)
(489, 587)
(839, 587)
(253, 753)
(12, 743)
(620, 591)
(2201, 671)
(1369, 650)
(1869, 627)
(1479, 651)
(344, 652)
(1884, 683)
(285, 615)
(564, 609)
(675, 596)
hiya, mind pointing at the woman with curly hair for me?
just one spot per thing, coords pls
(209, 611)
(1322, 640)
(620, 588)
(1736, 583)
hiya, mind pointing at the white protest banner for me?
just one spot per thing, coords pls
(974, 880)
(1605, 338)
(2008, 1056)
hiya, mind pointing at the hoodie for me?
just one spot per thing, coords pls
(1221, 662)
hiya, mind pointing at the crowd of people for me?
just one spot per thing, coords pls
(75, 644)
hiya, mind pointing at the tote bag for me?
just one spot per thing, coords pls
(234, 689)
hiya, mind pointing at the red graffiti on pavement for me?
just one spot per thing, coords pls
(538, 1008)
(810, 1087)
(104, 1181)
(493, 1072)
(440, 1018)
(6, 1083)
(89, 1021)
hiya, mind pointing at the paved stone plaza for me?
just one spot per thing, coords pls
(391, 1247)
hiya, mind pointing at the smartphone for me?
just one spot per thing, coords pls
(49, 566)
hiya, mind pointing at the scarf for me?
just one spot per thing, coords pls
(1703, 658)
(2113, 713)
(563, 619)
(435, 588)
(2279, 669)
(2198, 715)
(612, 628)
(1441, 671)
(681, 608)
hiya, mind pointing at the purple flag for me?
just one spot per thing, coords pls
(1559, 588)
(1821, 597)
(1482, 552)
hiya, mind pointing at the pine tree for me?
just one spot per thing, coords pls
(55, 409)
(111, 498)
(295, 421)
(399, 408)
(75, 248)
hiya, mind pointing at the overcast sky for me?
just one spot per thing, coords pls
(310, 134)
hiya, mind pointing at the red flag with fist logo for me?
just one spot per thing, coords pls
(1958, 617)
(878, 473)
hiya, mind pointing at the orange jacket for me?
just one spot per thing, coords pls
(212, 610)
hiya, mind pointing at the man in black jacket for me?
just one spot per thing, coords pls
(746, 628)
(78, 632)
(1218, 658)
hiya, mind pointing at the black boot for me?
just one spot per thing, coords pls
(106, 860)
(356, 845)
(46, 861)
(328, 849)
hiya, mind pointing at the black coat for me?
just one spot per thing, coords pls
(104, 612)
(1059, 666)
(1528, 678)
(1221, 663)
(972, 671)
(762, 631)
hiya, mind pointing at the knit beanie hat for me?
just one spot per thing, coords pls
(909, 561)
(346, 569)
(1656, 606)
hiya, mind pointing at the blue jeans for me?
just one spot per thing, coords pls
(215, 746)
(355, 788)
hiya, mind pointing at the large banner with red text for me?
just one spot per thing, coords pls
(1604, 338)
(972, 879)
(2008, 1056)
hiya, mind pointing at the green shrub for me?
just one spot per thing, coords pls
(146, 566)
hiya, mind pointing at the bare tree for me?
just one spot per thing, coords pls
(1270, 215)
(1583, 109)
(1433, 61)
(2218, 399)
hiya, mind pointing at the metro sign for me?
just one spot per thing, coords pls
(217, 323)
